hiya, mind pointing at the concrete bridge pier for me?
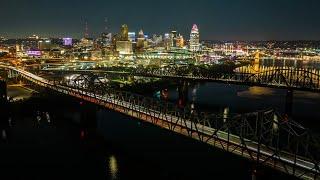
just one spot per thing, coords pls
(289, 102)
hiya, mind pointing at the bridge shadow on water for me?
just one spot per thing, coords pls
(58, 137)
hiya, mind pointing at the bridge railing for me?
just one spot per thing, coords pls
(287, 77)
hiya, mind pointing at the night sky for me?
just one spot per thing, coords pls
(217, 19)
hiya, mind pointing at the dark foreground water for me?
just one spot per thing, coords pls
(82, 141)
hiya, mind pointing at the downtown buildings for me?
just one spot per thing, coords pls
(121, 45)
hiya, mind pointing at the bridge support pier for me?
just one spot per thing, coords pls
(289, 102)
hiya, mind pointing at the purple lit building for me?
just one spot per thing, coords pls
(67, 41)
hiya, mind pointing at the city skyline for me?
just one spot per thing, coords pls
(217, 20)
(170, 89)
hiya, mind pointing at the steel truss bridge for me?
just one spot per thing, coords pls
(264, 137)
(287, 78)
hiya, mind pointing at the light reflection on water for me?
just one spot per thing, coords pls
(226, 112)
(256, 92)
(113, 167)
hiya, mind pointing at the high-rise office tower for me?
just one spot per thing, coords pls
(123, 45)
(180, 41)
(195, 39)
(124, 33)
(173, 38)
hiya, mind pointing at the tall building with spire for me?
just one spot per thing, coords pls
(194, 39)
(106, 36)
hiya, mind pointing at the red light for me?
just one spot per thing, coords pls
(82, 134)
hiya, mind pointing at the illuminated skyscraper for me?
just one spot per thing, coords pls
(195, 39)
(173, 38)
(123, 45)
(124, 33)
(180, 41)
(67, 41)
